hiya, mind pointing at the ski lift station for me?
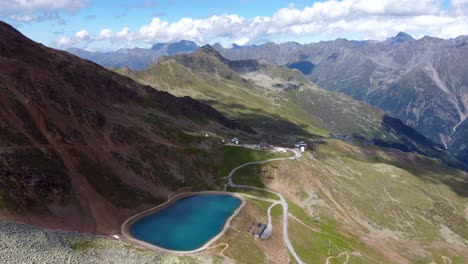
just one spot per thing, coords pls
(301, 145)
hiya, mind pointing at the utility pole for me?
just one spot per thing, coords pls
(329, 246)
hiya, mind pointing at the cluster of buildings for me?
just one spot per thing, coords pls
(265, 146)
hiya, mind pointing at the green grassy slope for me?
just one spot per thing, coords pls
(376, 204)
(237, 99)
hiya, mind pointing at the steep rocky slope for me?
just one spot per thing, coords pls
(82, 147)
(422, 82)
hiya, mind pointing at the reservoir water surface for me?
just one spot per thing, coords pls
(188, 223)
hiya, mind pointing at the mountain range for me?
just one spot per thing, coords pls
(254, 91)
(135, 58)
(421, 81)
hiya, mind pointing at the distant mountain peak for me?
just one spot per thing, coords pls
(187, 42)
(175, 47)
(209, 49)
(158, 46)
(217, 46)
(401, 37)
(183, 46)
(402, 34)
(235, 46)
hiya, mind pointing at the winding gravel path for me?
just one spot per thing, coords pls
(269, 227)
(221, 253)
(284, 204)
(339, 256)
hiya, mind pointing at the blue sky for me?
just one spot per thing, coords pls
(117, 14)
(108, 25)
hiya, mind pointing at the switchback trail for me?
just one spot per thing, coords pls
(339, 256)
(283, 202)
(221, 253)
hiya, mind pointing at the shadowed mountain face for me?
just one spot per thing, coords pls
(82, 147)
(136, 58)
(423, 82)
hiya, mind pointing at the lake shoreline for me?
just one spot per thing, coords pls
(125, 228)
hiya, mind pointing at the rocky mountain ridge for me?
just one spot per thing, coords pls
(421, 81)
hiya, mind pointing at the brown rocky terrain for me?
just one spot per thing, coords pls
(81, 147)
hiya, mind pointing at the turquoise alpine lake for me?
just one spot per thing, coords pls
(188, 223)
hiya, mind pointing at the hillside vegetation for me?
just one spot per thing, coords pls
(374, 204)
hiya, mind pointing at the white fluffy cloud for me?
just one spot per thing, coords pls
(200, 30)
(82, 35)
(29, 10)
(329, 19)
